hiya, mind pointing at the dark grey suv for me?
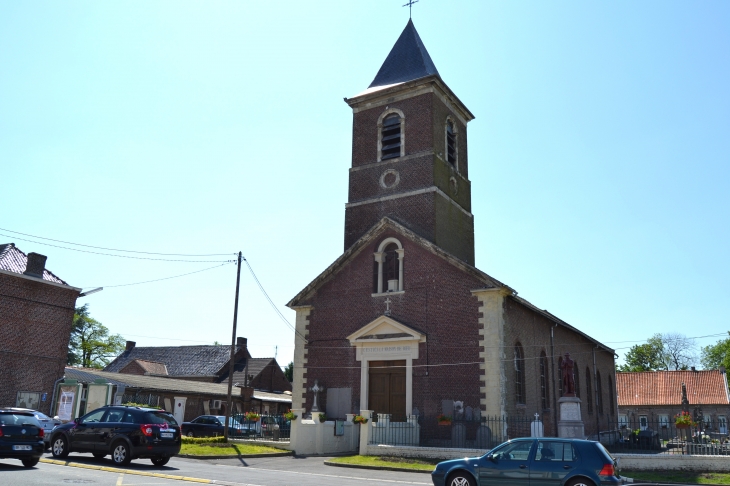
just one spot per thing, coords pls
(124, 432)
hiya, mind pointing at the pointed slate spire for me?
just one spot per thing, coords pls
(407, 60)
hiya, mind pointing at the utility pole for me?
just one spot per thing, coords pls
(231, 366)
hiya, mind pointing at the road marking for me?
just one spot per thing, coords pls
(133, 472)
(120, 480)
(329, 475)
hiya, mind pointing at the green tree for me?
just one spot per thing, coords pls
(91, 345)
(670, 351)
(716, 355)
(289, 371)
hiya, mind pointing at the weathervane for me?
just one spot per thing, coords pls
(410, 7)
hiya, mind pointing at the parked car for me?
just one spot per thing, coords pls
(564, 462)
(214, 425)
(269, 423)
(21, 437)
(125, 432)
(46, 422)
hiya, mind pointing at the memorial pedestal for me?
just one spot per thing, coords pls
(570, 423)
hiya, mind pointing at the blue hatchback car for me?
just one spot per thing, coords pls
(534, 462)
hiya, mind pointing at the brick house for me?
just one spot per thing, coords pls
(36, 314)
(268, 387)
(402, 323)
(650, 399)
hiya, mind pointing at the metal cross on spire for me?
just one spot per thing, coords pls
(410, 7)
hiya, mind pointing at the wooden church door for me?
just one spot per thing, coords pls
(387, 388)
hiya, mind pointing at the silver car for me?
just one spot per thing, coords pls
(47, 423)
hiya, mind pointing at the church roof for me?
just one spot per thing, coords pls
(408, 60)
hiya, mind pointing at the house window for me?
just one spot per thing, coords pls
(390, 137)
(388, 267)
(722, 424)
(663, 420)
(450, 143)
(623, 420)
(543, 381)
(599, 394)
(643, 422)
(519, 374)
(610, 395)
(589, 391)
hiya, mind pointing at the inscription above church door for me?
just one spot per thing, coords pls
(387, 388)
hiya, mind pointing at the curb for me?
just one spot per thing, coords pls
(379, 468)
(236, 456)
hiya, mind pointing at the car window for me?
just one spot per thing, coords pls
(41, 416)
(18, 419)
(158, 418)
(128, 418)
(554, 451)
(114, 416)
(94, 416)
(518, 451)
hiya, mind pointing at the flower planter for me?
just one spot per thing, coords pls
(682, 426)
(444, 423)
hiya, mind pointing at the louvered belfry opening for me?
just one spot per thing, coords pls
(450, 143)
(390, 139)
(390, 266)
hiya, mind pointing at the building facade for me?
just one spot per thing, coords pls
(36, 314)
(402, 323)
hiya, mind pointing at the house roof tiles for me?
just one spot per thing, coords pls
(180, 360)
(12, 259)
(707, 387)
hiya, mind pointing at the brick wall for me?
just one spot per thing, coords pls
(271, 378)
(35, 327)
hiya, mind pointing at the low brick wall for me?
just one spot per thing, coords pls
(665, 462)
(423, 452)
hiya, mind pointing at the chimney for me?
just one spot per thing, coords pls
(35, 266)
(722, 369)
(130, 345)
(693, 368)
(242, 342)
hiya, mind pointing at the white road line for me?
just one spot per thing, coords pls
(326, 475)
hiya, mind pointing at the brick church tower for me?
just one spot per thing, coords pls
(409, 153)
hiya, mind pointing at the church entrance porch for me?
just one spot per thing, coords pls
(388, 388)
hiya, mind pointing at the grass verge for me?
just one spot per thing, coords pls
(678, 477)
(221, 449)
(387, 461)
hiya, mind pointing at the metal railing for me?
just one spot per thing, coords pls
(267, 427)
(422, 431)
(662, 437)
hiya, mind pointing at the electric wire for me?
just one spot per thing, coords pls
(114, 249)
(113, 255)
(160, 279)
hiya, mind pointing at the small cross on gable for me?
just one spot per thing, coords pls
(387, 306)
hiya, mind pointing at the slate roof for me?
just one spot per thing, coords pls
(180, 360)
(408, 60)
(14, 260)
(707, 387)
(151, 367)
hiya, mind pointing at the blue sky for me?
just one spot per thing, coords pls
(598, 156)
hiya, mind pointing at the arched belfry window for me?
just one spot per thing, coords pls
(390, 143)
(544, 394)
(389, 267)
(519, 374)
(451, 154)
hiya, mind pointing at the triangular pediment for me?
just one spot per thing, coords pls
(385, 329)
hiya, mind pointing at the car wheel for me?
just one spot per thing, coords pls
(190, 434)
(580, 482)
(30, 462)
(59, 447)
(121, 454)
(160, 461)
(460, 479)
(99, 455)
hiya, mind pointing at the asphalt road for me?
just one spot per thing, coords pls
(277, 471)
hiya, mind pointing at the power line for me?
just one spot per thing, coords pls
(114, 249)
(159, 279)
(113, 255)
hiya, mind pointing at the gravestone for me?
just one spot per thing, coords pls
(477, 415)
(415, 412)
(484, 437)
(458, 435)
(468, 414)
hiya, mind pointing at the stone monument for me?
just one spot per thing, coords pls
(570, 423)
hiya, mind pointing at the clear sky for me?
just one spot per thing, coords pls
(599, 156)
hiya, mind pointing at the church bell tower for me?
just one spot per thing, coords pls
(409, 153)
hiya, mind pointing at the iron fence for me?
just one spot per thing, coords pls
(266, 427)
(148, 399)
(422, 431)
(665, 437)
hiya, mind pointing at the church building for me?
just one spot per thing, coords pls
(402, 323)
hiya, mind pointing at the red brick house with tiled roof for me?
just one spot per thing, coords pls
(656, 396)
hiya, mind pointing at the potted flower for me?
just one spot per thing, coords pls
(252, 416)
(290, 415)
(443, 419)
(684, 420)
(359, 419)
(322, 417)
